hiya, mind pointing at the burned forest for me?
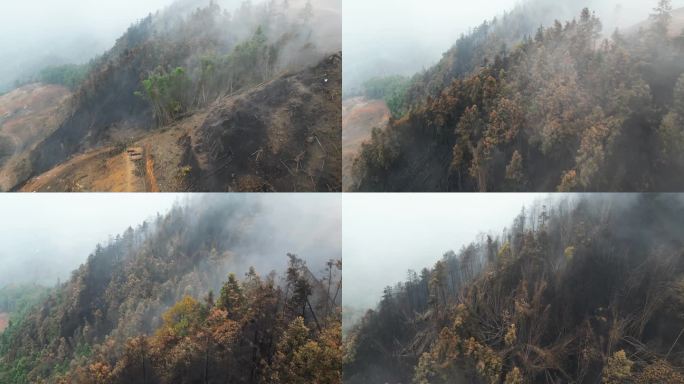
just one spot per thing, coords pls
(185, 297)
(584, 289)
(260, 81)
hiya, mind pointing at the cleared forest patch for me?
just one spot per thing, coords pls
(359, 117)
(27, 115)
(4, 321)
(152, 185)
(676, 24)
(283, 135)
(99, 170)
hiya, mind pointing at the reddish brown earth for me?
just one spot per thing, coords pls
(27, 115)
(359, 117)
(677, 26)
(152, 185)
(4, 321)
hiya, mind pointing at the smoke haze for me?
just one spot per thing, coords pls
(385, 235)
(60, 32)
(46, 236)
(387, 37)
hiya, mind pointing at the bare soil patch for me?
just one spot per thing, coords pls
(359, 117)
(27, 115)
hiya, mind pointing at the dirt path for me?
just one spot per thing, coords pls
(149, 171)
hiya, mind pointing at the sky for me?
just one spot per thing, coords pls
(385, 235)
(385, 37)
(46, 236)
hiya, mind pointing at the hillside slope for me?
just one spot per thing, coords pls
(583, 291)
(359, 117)
(171, 69)
(283, 135)
(27, 115)
(563, 111)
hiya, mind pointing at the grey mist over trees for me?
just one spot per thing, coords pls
(171, 66)
(624, 85)
(220, 288)
(385, 37)
(585, 289)
(41, 33)
(37, 33)
(47, 238)
(385, 236)
(388, 37)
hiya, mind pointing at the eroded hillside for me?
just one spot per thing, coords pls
(359, 117)
(282, 135)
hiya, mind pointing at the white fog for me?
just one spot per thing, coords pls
(387, 37)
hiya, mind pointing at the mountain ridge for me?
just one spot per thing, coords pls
(581, 289)
(178, 62)
(186, 157)
(533, 118)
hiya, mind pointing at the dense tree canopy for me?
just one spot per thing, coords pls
(563, 111)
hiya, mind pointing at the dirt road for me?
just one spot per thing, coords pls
(152, 185)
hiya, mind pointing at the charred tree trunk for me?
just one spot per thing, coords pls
(314, 315)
